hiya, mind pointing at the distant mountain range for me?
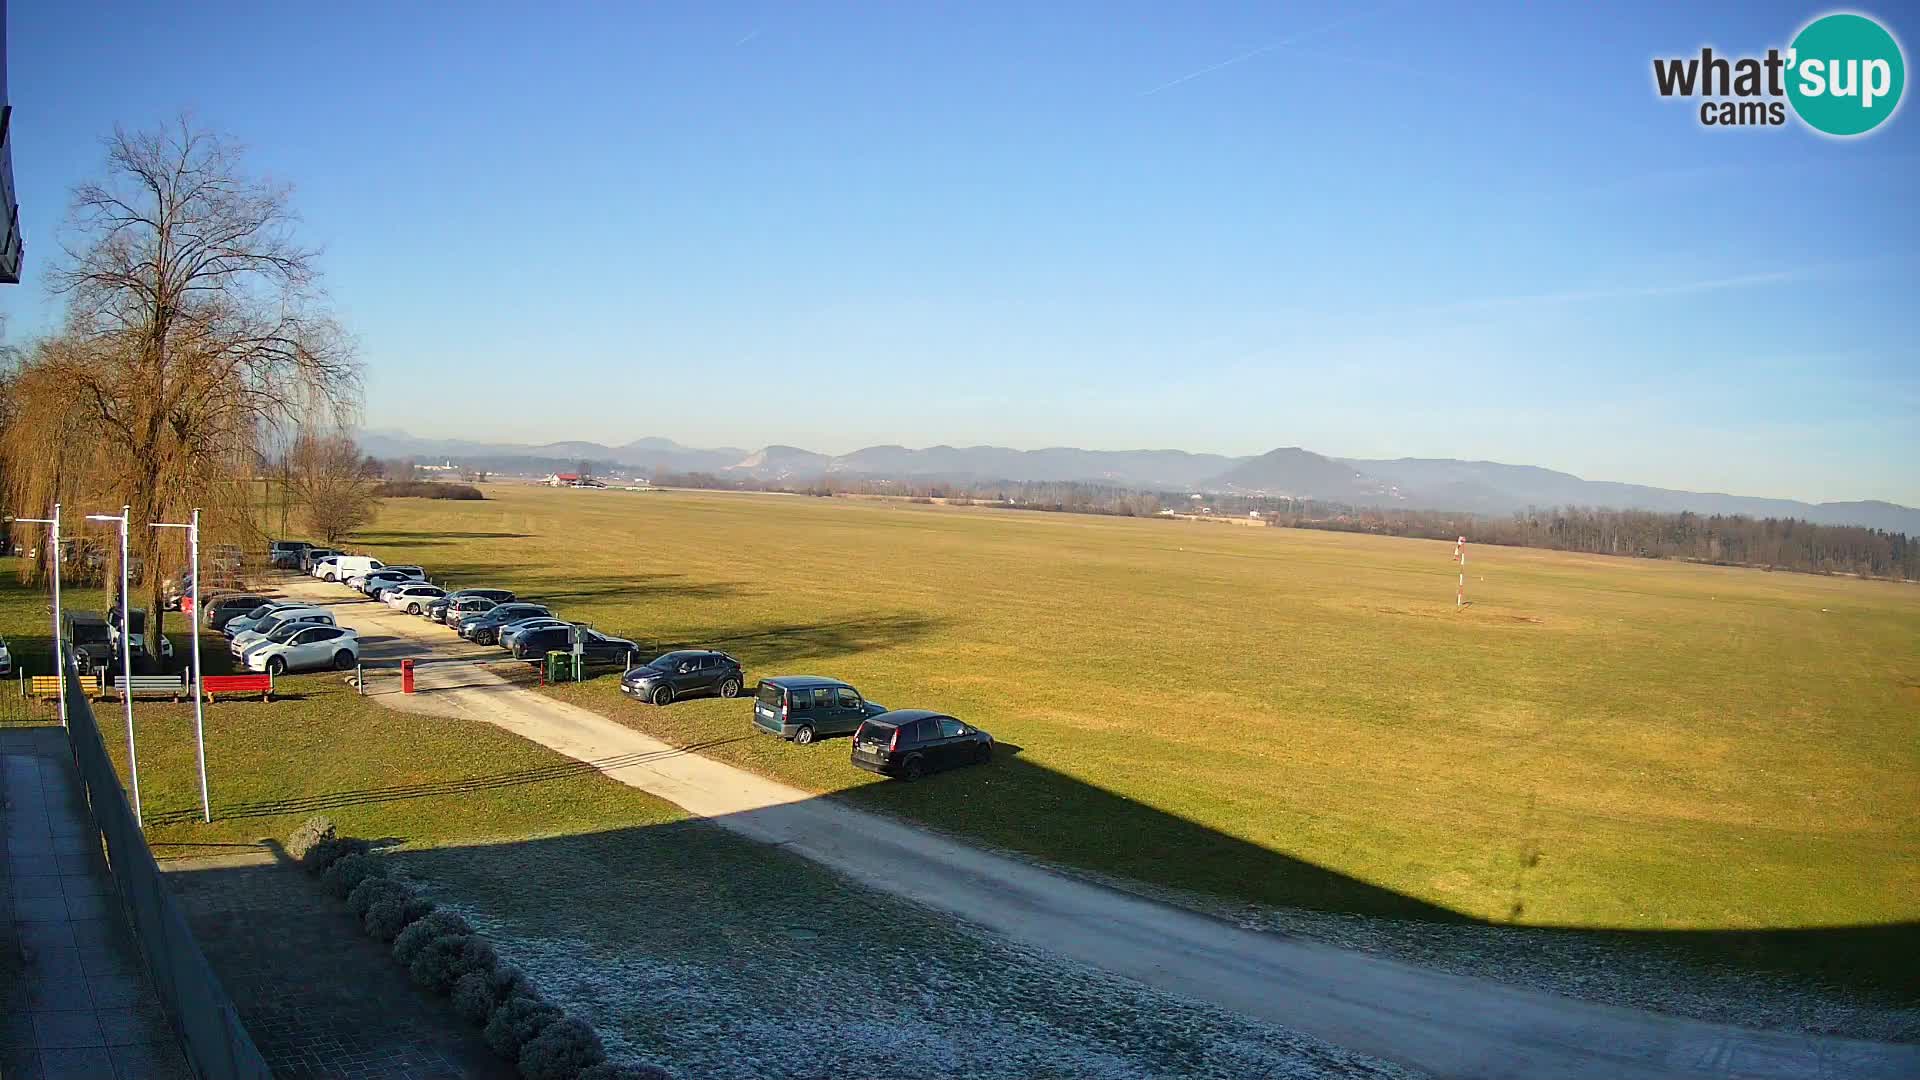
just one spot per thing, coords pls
(1485, 487)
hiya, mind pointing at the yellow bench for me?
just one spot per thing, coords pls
(48, 686)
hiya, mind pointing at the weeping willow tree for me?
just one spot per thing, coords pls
(194, 330)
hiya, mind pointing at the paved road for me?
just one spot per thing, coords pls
(1448, 1025)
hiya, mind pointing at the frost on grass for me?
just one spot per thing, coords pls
(936, 1001)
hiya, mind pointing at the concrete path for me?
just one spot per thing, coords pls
(1448, 1025)
(75, 1000)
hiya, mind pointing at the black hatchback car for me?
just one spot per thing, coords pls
(485, 629)
(683, 674)
(597, 648)
(910, 743)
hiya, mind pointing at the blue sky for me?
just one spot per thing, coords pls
(1372, 230)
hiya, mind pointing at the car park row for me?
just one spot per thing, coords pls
(905, 743)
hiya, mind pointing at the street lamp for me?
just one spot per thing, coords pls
(59, 632)
(199, 684)
(126, 653)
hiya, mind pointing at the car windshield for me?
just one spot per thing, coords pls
(89, 633)
(769, 694)
(282, 634)
(667, 661)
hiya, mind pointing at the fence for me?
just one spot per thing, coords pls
(218, 1045)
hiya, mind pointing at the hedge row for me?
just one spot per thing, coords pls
(442, 953)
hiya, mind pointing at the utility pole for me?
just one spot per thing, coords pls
(1460, 556)
(59, 631)
(126, 654)
(199, 683)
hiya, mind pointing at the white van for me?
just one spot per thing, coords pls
(342, 567)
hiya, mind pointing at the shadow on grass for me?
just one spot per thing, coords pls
(432, 538)
(317, 803)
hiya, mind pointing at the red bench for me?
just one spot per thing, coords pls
(239, 684)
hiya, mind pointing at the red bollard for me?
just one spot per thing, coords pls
(406, 676)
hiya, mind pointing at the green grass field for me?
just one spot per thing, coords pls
(1285, 716)
(1296, 718)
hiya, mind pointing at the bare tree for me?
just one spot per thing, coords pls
(193, 327)
(334, 484)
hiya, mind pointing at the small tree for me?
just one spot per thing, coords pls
(330, 478)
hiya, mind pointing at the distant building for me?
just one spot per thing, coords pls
(565, 479)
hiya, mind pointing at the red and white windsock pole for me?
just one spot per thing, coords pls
(1460, 556)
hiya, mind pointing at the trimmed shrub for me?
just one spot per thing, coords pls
(371, 891)
(391, 915)
(312, 832)
(561, 1050)
(514, 1024)
(349, 871)
(607, 1070)
(438, 966)
(408, 943)
(325, 853)
(477, 993)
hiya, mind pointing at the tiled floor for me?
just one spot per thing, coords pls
(77, 1002)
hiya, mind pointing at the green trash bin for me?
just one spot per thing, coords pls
(559, 666)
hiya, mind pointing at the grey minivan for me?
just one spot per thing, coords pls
(805, 707)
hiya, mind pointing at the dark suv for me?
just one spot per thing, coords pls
(684, 673)
(485, 629)
(910, 743)
(804, 707)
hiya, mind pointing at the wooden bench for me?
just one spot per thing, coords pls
(172, 686)
(239, 684)
(48, 686)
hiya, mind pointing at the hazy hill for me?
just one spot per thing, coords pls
(1486, 487)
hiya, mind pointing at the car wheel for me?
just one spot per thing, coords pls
(276, 665)
(330, 577)
(342, 660)
(914, 769)
(413, 609)
(983, 754)
(662, 695)
(803, 737)
(730, 687)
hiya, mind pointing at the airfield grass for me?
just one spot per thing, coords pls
(320, 748)
(1290, 717)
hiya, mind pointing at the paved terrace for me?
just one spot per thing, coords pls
(76, 999)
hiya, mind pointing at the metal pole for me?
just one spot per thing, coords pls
(126, 655)
(126, 662)
(59, 633)
(59, 650)
(199, 680)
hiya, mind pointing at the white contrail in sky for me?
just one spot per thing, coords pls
(1251, 53)
(751, 34)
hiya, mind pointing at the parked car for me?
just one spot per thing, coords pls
(313, 555)
(6, 658)
(137, 618)
(512, 631)
(498, 596)
(376, 579)
(484, 629)
(389, 575)
(598, 648)
(226, 607)
(266, 627)
(683, 674)
(452, 608)
(342, 567)
(805, 707)
(179, 590)
(285, 554)
(242, 623)
(88, 640)
(311, 648)
(910, 743)
(413, 597)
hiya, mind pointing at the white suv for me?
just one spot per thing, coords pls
(313, 648)
(413, 599)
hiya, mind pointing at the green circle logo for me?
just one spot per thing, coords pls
(1845, 74)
